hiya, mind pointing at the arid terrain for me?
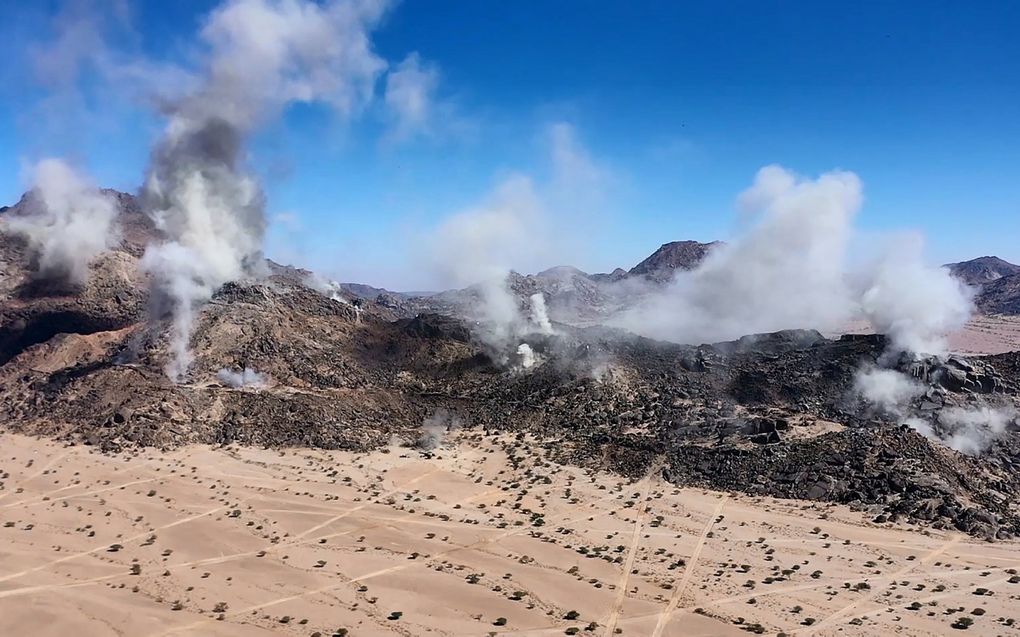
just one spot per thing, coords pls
(483, 536)
(339, 461)
(983, 334)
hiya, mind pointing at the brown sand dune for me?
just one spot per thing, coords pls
(486, 537)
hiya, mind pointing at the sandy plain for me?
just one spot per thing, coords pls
(482, 537)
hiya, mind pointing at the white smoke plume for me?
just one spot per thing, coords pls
(539, 314)
(915, 305)
(247, 377)
(787, 271)
(263, 55)
(888, 390)
(326, 287)
(513, 229)
(528, 356)
(66, 221)
(971, 430)
(410, 96)
(790, 270)
(478, 247)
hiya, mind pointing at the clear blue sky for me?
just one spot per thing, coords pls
(680, 102)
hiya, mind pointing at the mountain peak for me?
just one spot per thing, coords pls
(982, 270)
(682, 255)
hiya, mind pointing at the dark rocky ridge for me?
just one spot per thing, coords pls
(982, 270)
(768, 414)
(997, 283)
(677, 255)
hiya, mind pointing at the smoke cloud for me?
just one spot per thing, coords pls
(247, 377)
(263, 55)
(789, 269)
(972, 430)
(915, 305)
(410, 95)
(478, 247)
(66, 222)
(968, 429)
(513, 229)
(528, 356)
(888, 390)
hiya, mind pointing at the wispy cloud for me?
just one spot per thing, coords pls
(410, 96)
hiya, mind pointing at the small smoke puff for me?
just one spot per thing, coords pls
(539, 314)
(435, 428)
(528, 356)
(972, 430)
(915, 304)
(247, 377)
(326, 287)
(922, 427)
(887, 389)
(67, 222)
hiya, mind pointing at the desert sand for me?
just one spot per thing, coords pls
(482, 537)
(981, 335)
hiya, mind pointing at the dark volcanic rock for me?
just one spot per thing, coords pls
(662, 264)
(982, 270)
(1001, 296)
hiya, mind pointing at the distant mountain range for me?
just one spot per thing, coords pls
(572, 296)
(579, 298)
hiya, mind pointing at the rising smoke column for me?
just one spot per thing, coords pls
(914, 304)
(539, 314)
(263, 55)
(66, 222)
(476, 247)
(523, 224)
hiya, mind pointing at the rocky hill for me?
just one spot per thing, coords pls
(573, 297)
(280, 362)
(997, 282)
(662, 264)
(982, 270)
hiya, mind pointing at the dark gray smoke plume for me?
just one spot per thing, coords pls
(263, 55)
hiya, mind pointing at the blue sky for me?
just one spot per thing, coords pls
(676, 104)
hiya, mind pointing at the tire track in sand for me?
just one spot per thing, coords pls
(628, 566)
(828, 621)
(674, 600)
